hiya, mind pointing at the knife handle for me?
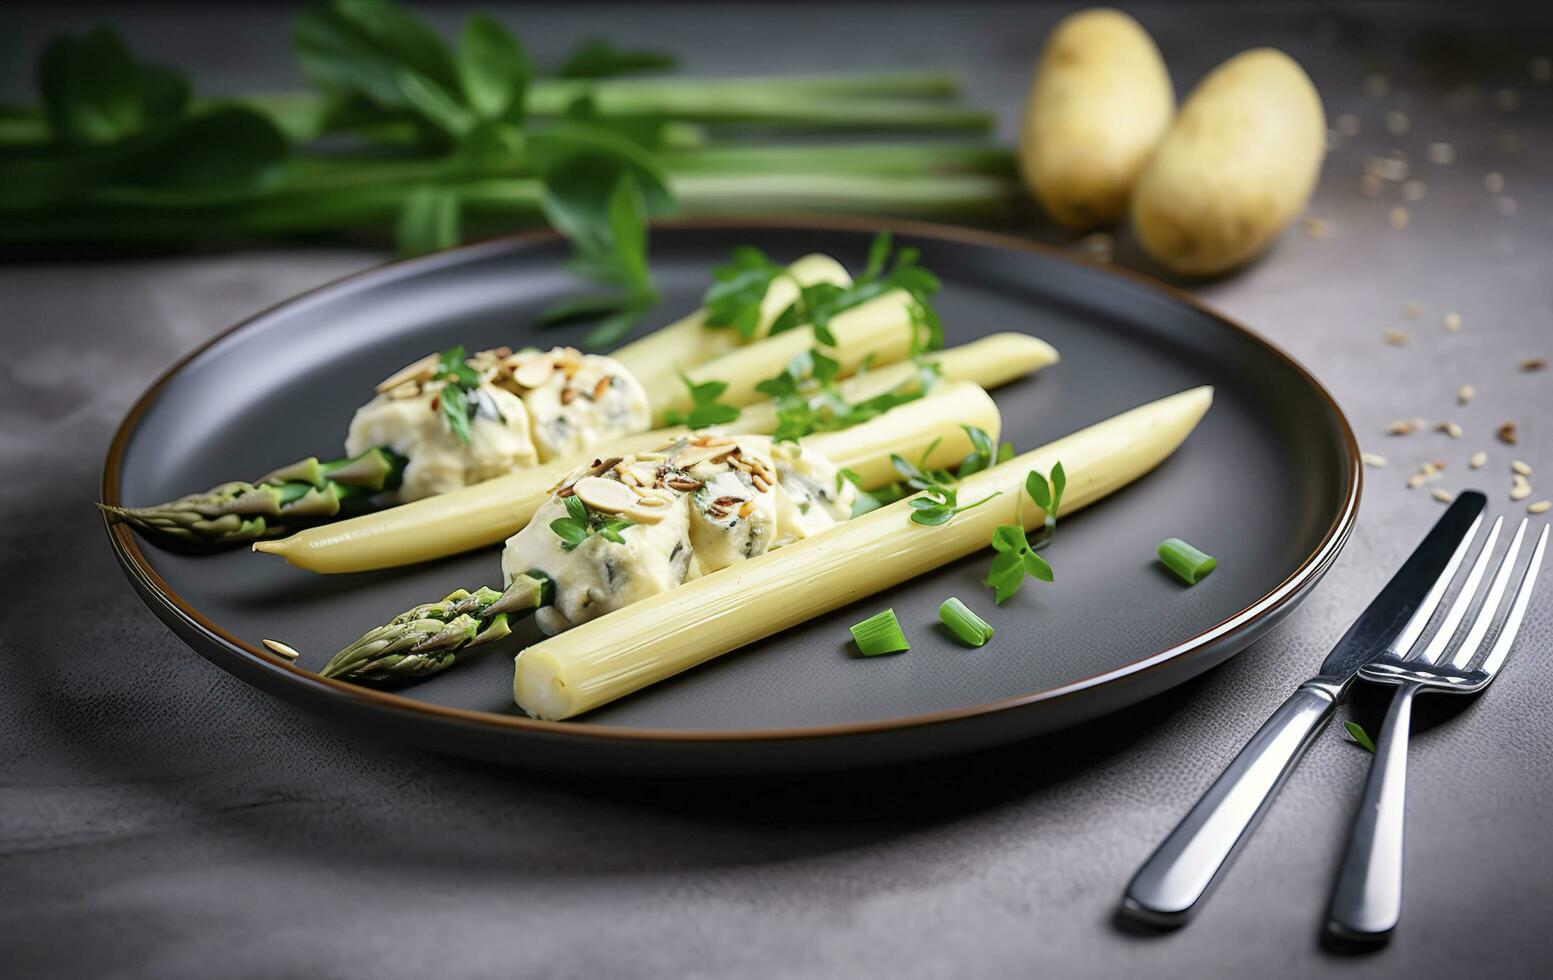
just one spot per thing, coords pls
(1171, 884)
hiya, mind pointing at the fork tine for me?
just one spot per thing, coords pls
(1512, 622)
(1464, 597)
(1415, 625)
(1490, 608)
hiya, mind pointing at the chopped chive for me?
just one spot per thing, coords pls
(1189, 564)
(1359, 736)
(963, 623)
(880, 633)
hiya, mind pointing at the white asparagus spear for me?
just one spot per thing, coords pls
(487, 513)
(655, 359)
(629, 649)
(880, 329)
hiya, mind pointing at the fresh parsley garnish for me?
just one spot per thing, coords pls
(939, 503)
(1359, 736)
(864, 501)
(597, 58)
(461, 380)
(1016, 557)
(739, 288)
(580, 522)
(808, 400)
(984, 452)
(705, 408)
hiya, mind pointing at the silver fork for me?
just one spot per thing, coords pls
(1367, 900)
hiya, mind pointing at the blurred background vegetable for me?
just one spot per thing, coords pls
(433, 142)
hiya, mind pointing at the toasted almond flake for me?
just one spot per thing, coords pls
(1465, 394)
(1517, 466)
(1398, 217)
(275, 646)
(1534, 364)
(1376, 85)
(1442, 154)
(1506, 433)
(1507, 100)
(1540, 507)
(1395, 337)
(609, 496)
(409, 389)
(1479, 460)
(1373, 459)
(1315, 227)
(422, 370)
(1442, 495)
(747, 509)
(1452, 322)
(1397, 123)
(1449, 428)
(1411, 311)
(1520, 488)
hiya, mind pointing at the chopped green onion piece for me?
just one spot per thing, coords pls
(1359, 736)
(878, 634)
(963, 623)
(1189, 564)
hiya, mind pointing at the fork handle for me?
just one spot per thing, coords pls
(1367, 901)
(1171, 884)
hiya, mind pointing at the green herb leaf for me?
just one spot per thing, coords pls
(735, 298)
(580, 523)
(428, 221)
(705, 409)
(738, 289)
(362, 47)
(493, 70)
(455, 408)
(598, 58)
(1016, 558)
(879, 634)
(95, 92)
(1359, 736)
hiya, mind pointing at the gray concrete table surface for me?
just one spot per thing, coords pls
(160, 819)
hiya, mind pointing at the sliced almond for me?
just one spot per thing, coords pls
(1478, 460)
(1520, 488)
(1517, 466)
(534, 371)
(422, 370)
(609, 496)
(1443, 496)
(1465, 394)
(1373, 459)
(1540, 507)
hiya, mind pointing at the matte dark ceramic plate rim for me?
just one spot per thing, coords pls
(151, 585)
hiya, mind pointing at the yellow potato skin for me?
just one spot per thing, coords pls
(1238, 165)
(1100, 102)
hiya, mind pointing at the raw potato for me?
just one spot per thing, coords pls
(1100, 102)
(1236, 168)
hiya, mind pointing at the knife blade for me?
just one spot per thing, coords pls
(1171, 885)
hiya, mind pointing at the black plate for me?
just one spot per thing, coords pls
(1269, 483)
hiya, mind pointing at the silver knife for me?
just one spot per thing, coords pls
(1171, 885)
